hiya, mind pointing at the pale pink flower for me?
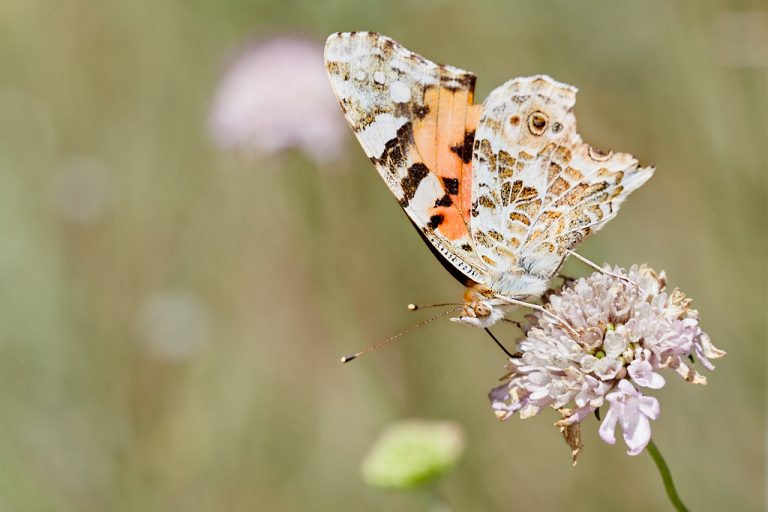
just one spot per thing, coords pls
(627, 330)
(274, 97)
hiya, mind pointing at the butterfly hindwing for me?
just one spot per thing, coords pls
(416, 122)
(538, 189)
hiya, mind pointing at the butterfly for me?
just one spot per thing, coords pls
(500, 191)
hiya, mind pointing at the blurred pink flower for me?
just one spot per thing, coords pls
(274, 97)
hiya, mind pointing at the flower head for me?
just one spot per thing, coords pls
(627, 329)
(275, 97)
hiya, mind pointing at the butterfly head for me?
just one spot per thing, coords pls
(479, 314)
(480, 309)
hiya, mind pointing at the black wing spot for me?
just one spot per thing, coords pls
(468, 80)
(421, 111)
(410, 183)
(435, 221)
(451, 185)
(444, 201)
(464, 150)
(393, 156)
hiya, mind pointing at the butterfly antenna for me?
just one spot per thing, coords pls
(502, 347)
(381, 343)
(414, 307)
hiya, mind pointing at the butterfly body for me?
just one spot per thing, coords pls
(502, 190)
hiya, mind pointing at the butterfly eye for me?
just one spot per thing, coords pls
(557, 127)
(537, 123)
(481, 310)
(514, 120)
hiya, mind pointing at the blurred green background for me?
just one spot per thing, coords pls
(171, 315)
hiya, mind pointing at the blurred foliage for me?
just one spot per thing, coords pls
(294, 265)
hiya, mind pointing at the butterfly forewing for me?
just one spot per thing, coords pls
(416, 122)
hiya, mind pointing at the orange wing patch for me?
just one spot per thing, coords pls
(443, 138)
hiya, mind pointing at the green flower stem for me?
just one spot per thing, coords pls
(666, 477)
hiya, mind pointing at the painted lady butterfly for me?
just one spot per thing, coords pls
(501, 191)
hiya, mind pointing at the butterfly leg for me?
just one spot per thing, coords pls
(513, 322)
(537, 307)
(598, 268)
(502, 347)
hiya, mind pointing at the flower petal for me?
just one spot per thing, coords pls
(608, 426)
(638, 437)
(649, 406)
